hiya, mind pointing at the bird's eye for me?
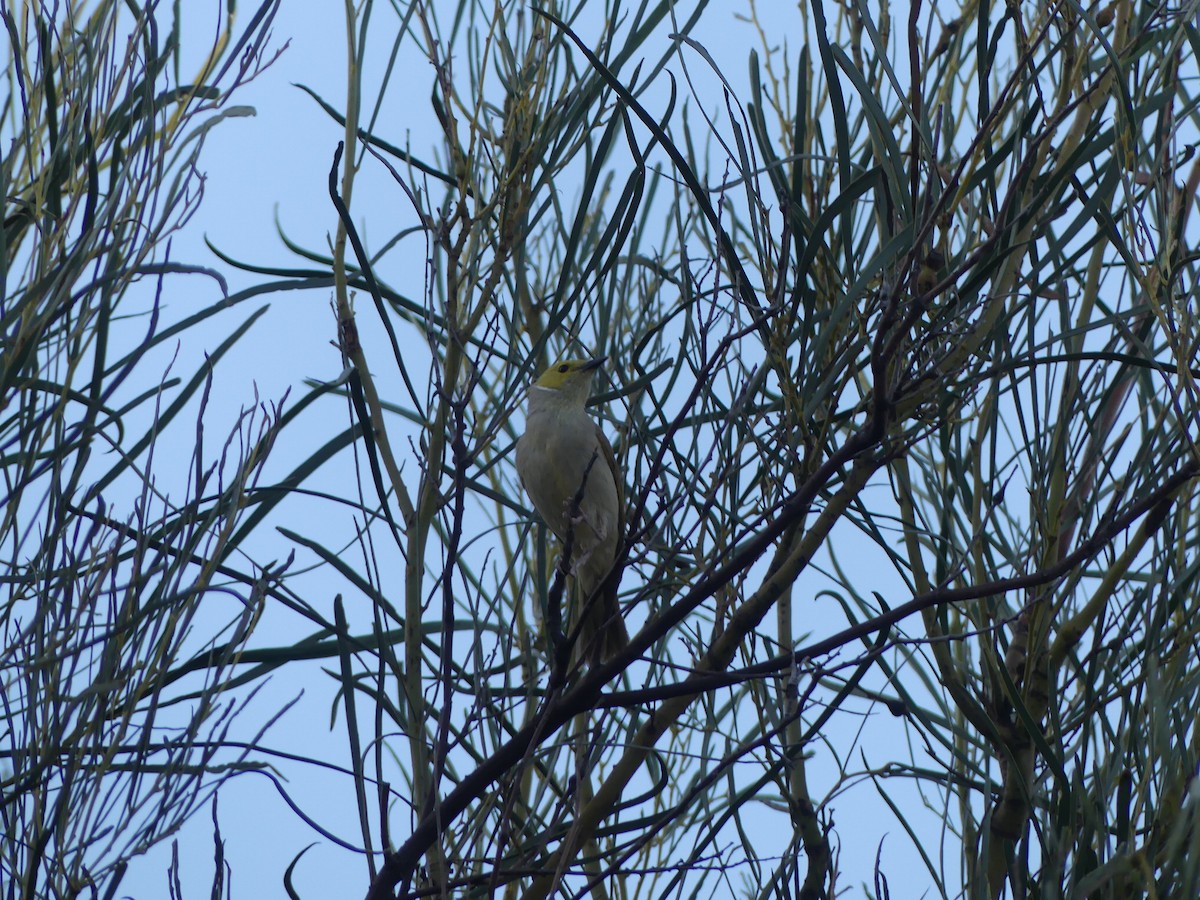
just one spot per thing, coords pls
(564, 368)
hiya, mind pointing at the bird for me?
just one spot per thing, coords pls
(561, 452)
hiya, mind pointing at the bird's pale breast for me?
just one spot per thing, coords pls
(552, 458)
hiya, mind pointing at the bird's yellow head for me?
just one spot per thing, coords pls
(568, 372)
(568, 380)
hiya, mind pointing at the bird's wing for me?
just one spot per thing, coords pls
(610, 458)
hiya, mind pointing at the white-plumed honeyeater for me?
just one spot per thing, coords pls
(561, 452)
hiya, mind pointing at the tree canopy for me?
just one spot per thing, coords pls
(900, 313)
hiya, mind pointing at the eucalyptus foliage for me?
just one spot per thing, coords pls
(900, 320)
(103, 753)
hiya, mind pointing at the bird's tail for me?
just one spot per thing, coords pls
(602, 633)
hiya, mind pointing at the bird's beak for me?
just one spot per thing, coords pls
(594, 363)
